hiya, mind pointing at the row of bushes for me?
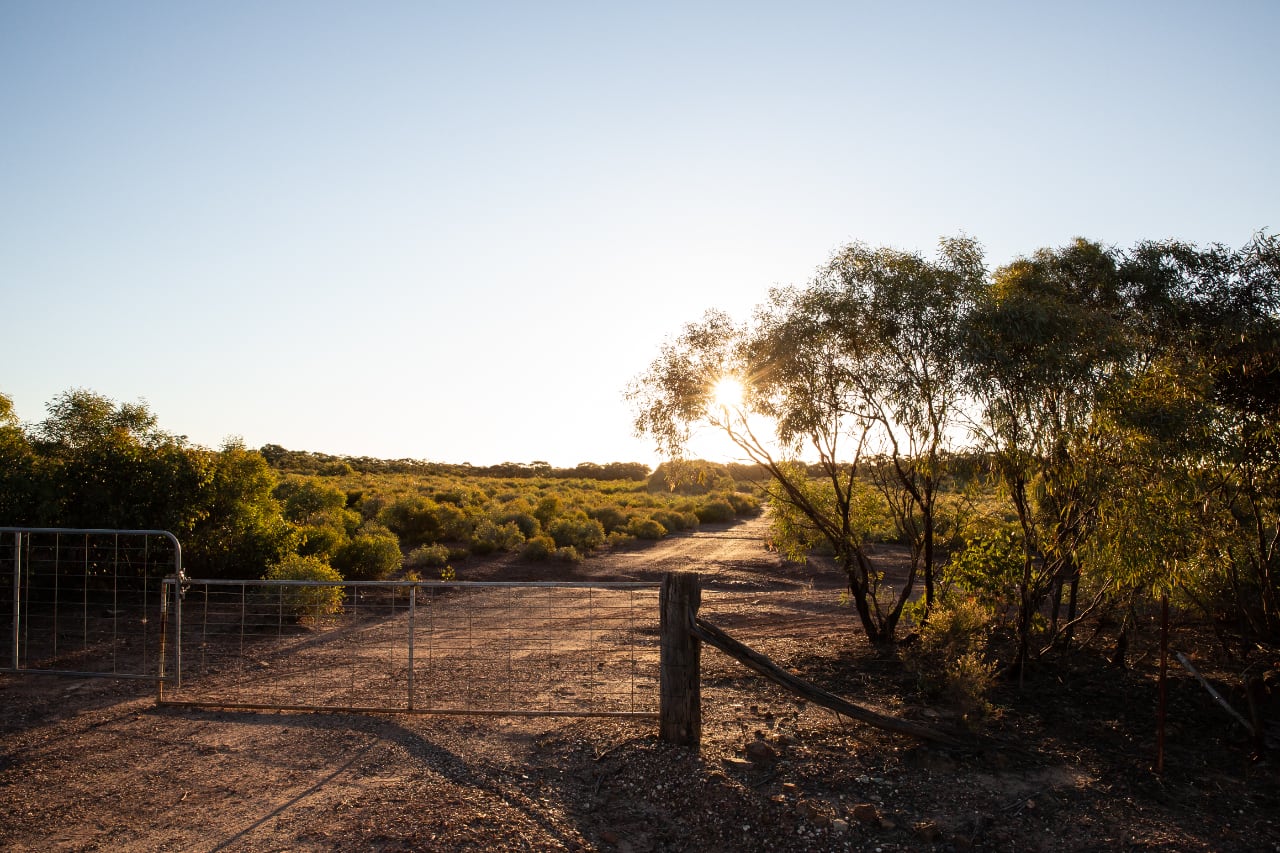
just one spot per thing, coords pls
(369, 526)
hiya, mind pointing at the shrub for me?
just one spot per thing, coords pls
(528, 525)
(989, 568)
(577, 531)
(538, 548)
(428, 557)
(307, 601)
(489, 537)
(610, 517)
(321, 541)
(371, 555)
(716, 512)
(672, 520)
(743, 504)
(948, 659)
(646, 528)
(568, 554)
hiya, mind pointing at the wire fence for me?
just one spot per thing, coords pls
(424, 647)
(84, 602)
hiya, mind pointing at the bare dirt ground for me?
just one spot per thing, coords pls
(1065, 764)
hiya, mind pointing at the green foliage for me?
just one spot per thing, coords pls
(949, 658)
(526, 523)
(673, 520)
(567, 554)
(646, 528)
(715, 512)
(490, 536)
(306, 601)
(538, 548)
(743, 503)
(242, 530)
(611, 518)
(418, 520)
(988, 569)
(576, 531)
(428, 557)
(371, 555)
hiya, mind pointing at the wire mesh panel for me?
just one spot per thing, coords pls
(84, 602)
(465, 648)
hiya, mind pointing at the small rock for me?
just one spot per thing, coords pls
(866, 813)
(759, 752)
(888, 823)
(927, 830)
(814, 812)
(839, 826)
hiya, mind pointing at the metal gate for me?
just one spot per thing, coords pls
(115, 603)
(564, 649)
(85, 602)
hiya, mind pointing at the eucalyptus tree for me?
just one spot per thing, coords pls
(1047, 350)
(104, 464)
(19, 499)
(859, 369)
(909, 313)
(1203, 420)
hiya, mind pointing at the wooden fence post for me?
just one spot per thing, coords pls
(680, 697)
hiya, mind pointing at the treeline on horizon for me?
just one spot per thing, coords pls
(325, 464)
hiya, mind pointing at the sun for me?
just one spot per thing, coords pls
(727, 392)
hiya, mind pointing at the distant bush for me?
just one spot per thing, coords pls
(577, 531)
(528, 525)
(716, 512)
(610, 517)
(428, 557)
(489, 537)
(371, 555)
(538, 548)
(568, 554)
(307, 601)
(321, 541)
(743, 503)
(646, 528)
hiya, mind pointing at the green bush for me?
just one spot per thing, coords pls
(949, 659)
(610, 517)
(528, 525)
(320, 541)
(489, 537)
(716, 512)
(568, 554)
(371, 555)
(538, 548)
(743, 504)
(307, 601)
(646, 528)
(428, 557)
(577, 531)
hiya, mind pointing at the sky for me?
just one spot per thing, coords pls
(457, 231)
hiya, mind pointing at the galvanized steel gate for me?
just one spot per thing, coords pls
(116, 603)
(563, 649)
(85, 602)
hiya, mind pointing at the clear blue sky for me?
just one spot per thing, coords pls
(455, 231)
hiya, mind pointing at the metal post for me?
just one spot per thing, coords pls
(413, 608)
(164, 629)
